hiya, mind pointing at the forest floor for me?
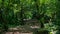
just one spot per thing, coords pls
(17, 33)
(17, 30)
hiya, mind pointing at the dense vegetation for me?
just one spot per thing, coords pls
(13, 13)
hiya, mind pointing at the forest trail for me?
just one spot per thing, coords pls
(17, 33)
(20, 30)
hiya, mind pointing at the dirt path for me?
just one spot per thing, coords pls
(17, 33)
